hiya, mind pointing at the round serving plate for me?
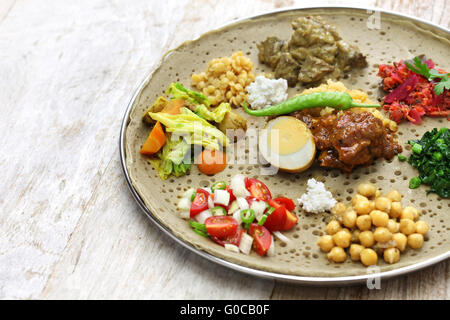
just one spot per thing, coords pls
(335, 278)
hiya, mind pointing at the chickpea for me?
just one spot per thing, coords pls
(379, 218)
(393, 226)
(391, 255)
(369, 257)
(385, 245)
(349, 219)
(326, 243)
(366, 189)
(333, 227)
(383, 204)
(422, 227)
(400, 241)
(358, 198)
(410, 213)
(377, 193)
(339, 209)
(382, 235)
(355, 251)
(407, 226)
(342, 238)
(394, 196)
(366, 239)
(347, 231)
(355, 235)
(364, 222)
(415, 241)
(337, 254)
(396, 210)
(362, 207)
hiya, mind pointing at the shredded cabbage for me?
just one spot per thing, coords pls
(177, 91)
(215, 115)
(201, 131)
(173, 159)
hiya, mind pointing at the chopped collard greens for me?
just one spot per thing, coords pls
(431, 156)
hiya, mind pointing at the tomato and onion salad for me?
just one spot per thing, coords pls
(225, 217)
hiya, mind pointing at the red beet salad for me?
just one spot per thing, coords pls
(415, 90)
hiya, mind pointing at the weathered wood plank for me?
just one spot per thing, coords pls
(69, 228)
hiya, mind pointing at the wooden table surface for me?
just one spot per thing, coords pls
(69, 227)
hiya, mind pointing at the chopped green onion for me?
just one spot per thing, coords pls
(270, 210)
(193, 196)
(263, 219)
(201, 233)
(417, 148)
(218, 211)
(198, 226)
(401, 157)
(220, 185)
(415, 182)
(247, 217)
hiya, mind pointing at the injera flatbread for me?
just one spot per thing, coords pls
(398, 38)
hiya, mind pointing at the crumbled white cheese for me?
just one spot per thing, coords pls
(316, 199)
(264, 92)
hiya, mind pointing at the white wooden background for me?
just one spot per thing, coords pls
(69, 227)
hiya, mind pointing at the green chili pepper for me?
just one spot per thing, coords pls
(336, 100)
(266, 215)
(401, 157)
(220, 185)
(263, 219)
(247, 217)
(218, 211)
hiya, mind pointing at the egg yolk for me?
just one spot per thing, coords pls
(287, 136)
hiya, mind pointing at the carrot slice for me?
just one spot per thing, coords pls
(211, 161)
(156, 139)
(173, 107)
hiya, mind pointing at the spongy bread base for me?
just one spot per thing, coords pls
(397, 39)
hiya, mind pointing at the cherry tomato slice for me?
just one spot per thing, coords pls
(233, 239)
(291, 220)
(200, 202)
(276, 220)
(258, 189)
(261, 238)
(288, 203)
(221, 227)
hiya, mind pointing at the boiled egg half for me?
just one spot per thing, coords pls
(288, 144)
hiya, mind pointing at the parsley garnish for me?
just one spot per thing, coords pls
(421, 68)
